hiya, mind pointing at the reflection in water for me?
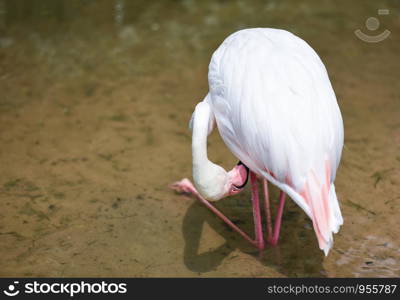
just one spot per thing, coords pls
(2, 15)
(295, 255)
(119, 7)
(192, 228)
(22, 11)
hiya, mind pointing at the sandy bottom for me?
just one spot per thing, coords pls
(93, 128)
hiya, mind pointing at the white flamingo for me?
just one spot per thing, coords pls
(275, 109)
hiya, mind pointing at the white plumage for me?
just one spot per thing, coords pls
(275, 109)
(277, 112)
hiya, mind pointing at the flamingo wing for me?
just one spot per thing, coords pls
(277, 112)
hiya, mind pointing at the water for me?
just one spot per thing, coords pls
(94, 104)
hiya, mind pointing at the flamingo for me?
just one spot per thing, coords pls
(273, 104)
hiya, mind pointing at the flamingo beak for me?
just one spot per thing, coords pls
(239, 176)
(243, 175)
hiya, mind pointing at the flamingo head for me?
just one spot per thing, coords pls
(214, 183)
(237, 179)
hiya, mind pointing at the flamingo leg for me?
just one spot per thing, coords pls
(273, 240)
(256, 211)
(186, 186)
(267, 209)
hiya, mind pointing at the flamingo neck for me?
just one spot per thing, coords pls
(199, 140)
(211, 180)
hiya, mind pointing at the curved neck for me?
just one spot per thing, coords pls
(199, 137)
(210, 179)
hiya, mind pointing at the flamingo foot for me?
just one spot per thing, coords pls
(183, 186)
(273, 242)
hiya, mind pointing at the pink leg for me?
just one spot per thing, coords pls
(278, 219)
(267, 209)
(187, 187)
(256, 211)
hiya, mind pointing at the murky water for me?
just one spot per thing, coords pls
(95, 97)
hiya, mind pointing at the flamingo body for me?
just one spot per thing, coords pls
(275, 109)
